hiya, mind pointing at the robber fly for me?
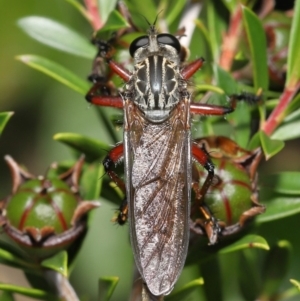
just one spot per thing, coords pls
(158, 155)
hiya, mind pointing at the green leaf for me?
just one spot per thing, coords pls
(258, 45)
(249, 276)
(114, 22)
(292, 110)
(279, 207)
(240, 119)
(55, 71)
(231, 4)
(7, 296)
(287, 131)
(201, 26)
(92, 148)
(13, 249)
(146, 9)
(295, 283)
(91, 181)
(13, 260)
(224, 80)
(76, 4)
(57, 35)
(249, 241)
(216, 27)
(284, 182)
(274, 273)
(175, 9)
(105, 8)
(4, 117)
(183, 292)
(106, 287)
(207, 87)
(58, 263)
(293, 58)
(270, 147)
(254, 141)
(29, 292)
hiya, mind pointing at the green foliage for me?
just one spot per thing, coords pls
(4, 117)
(249, 261)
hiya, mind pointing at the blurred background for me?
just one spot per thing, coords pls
(44, 107)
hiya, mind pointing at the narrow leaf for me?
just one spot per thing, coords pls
(284, 182)
(148, 10)
(55, 71)
(13, 249)
(270, 147)
(293, 63)
(57, 35)
(26, 291)
(258, 45)
(91, 181)
(231, 4)
(76, 4)
(295, 283)
(185, 291)
(13, 260)
(249, 241)
(249, 276)
(225, 81)
(114, 22)
(4, 117)
(105, 8)
(287, 131)
(92, 148)
(280, 207)
(175, 11)
(216, 27)
(274, 273)
(107, 286)
(58, 263)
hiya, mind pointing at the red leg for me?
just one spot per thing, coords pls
(111, 160)
(190, 69)
(103, 89)
(211, 225)
(105, 101)
(207, 109)
(114, 156)
(119, 70)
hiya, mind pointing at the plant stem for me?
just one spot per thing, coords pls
(92, 8)
(231, 39)
(278, 113)
(61, 286)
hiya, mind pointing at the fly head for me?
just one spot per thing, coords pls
(156, 82)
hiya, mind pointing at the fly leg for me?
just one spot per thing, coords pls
(208, 109)
(110, 161)
(210, 223)
(97, 97)
(103, 92)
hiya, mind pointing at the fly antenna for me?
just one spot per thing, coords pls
(154, 23)
(156, 18)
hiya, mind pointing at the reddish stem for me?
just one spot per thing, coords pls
(92, 9)
(231, 39)
(278, 113)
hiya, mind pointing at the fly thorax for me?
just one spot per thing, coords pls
(156, 86)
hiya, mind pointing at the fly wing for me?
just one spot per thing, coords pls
(159, 193)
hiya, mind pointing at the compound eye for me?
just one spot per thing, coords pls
(138, 43)
(168, 39)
